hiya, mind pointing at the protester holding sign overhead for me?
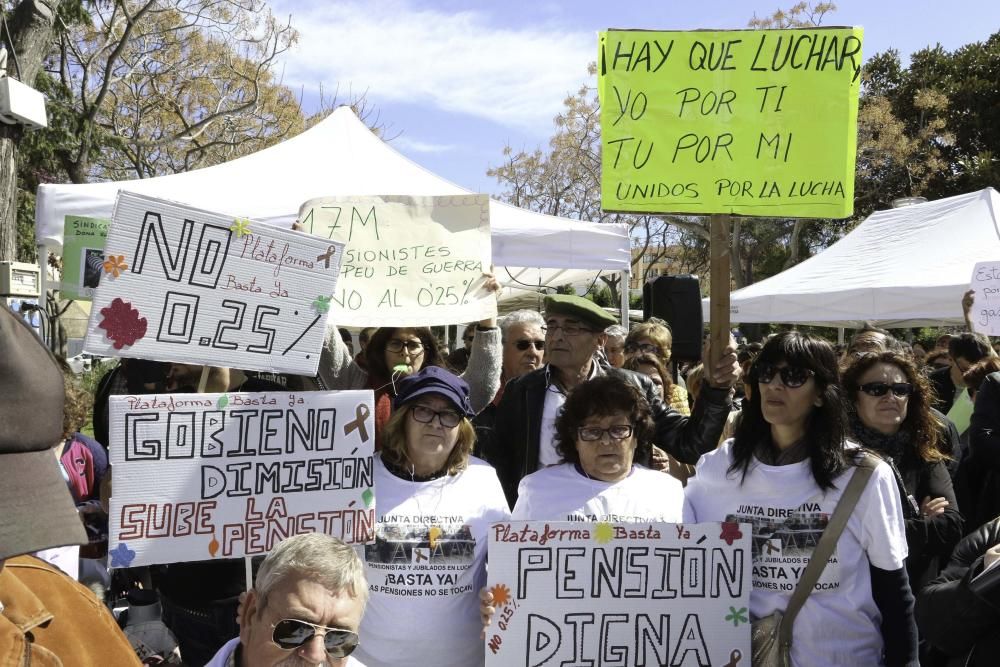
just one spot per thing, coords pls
(435, 505)
(393, 353)
(785, 472)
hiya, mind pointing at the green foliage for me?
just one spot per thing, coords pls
(601, 296)
(565, 289)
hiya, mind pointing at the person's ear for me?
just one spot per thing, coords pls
(246, 613)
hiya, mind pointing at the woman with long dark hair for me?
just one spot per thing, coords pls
(891, 415)
(784, 473)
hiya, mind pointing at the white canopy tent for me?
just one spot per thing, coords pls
(341, 156)
(905, 267)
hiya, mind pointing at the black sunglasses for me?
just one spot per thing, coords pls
(292, 633)
(791, 376)
(523, 345)
(898, 389)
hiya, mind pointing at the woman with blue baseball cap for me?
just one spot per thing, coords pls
(435, 503)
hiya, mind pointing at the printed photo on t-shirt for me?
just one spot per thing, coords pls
(783, 543)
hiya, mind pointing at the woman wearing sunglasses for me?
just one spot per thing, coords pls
(434, 504)
(890, 414)
(393, 353)
(784, 473)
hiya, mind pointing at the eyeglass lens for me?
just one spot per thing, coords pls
(616, 432)
(397, 345)
(791, 376)
(898, 389)
(523, 345)
(291, 633)
(425, 415)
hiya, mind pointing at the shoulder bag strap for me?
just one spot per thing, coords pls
(827, 543)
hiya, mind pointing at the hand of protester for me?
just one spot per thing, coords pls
(968, 299)
(660, 461)
(932, 507)
(492, 285)
(727, 371)
(486, 610)
(991, 556)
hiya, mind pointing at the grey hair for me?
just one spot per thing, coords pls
(520, 317)
(314, 556)
(616, 331)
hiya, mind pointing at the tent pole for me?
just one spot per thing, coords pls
(43, 275)
(624, 292)
(840, 335)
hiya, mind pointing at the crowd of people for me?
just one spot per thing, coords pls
(555, 415)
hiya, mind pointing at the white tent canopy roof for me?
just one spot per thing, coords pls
(905, 267)
(341, 156)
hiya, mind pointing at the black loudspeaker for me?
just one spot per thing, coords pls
(677, 299)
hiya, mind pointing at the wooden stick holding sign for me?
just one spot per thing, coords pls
(719, 270)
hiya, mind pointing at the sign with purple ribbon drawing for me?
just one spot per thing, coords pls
(408, 261)
(192, 286)
(206, 476)
(619, 593)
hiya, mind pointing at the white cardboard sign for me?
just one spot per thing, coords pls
(408, 261)
(206, 476)
(985, 313)
(580, 593)
(191, 286)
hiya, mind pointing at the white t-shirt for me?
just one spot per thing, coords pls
(426, 567)
(562, 493)
(839, 622)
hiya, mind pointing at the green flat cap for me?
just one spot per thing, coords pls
(582, 309)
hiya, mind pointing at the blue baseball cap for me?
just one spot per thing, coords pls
(434, 380)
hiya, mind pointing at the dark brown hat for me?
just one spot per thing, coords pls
(36, 508)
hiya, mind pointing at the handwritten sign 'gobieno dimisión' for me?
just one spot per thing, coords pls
(204, 476)
(751, 122)
(182, 284)
(408, 260)
(634, 594)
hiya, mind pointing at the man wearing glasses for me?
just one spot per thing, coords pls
(522, 439)
(304, 608)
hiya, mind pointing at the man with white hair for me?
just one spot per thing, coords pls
(304, 609)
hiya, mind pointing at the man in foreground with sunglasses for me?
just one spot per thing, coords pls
(304, 609)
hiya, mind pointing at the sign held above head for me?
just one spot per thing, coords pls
(192, 286)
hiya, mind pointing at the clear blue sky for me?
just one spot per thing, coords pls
(460, 80)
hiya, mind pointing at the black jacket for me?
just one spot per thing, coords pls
(512, 445)
(944, 388)
(929, 540)
(958, 615)
(979, 476)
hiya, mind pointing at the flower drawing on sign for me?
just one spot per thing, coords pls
(730, 532)
(121, 556)
(501, 595)
(122, 323)
(240, 227)
(115, 264)
(213, 546)
(737, 616)
(604, 533)
(321, 304)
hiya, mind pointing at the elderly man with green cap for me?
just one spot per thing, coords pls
(522, 440)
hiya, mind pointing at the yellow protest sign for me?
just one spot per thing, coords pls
(747, 122)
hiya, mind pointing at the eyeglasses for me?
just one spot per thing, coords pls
(567, 329)
(791, 376)
(425, 415)
(291, 633)
(645, 348)
(592, 433)
(412, 346)
(898, 389)
(523, 345)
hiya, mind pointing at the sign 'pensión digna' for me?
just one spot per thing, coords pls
(747, 122)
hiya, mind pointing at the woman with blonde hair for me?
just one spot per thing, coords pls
(435, 503)
(654, 337)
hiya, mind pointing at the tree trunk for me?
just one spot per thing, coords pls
(31, 32)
